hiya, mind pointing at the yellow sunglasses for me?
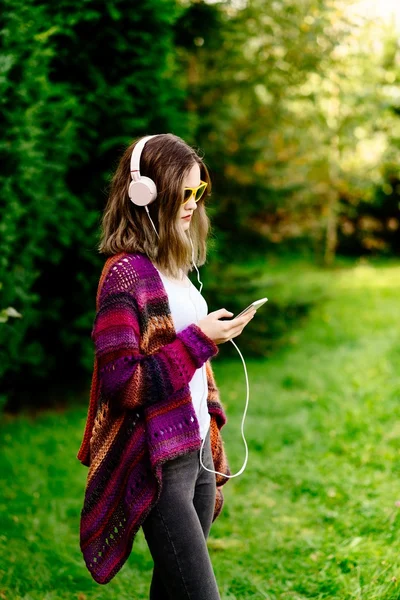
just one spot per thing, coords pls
(197, 192)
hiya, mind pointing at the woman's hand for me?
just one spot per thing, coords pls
(222, 331)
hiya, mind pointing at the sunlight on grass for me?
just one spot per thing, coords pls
(368, 276)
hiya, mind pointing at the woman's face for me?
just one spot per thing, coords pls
(185, 212)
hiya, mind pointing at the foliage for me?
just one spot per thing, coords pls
(294, 105)
(296, 108)
(68, 110)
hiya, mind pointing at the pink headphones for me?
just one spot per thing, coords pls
(142, 190)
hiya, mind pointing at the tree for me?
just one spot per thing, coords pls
(68, 110)
(292, 116)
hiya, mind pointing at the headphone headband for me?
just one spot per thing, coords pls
(137, 151)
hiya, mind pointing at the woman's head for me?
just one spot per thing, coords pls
(172, 165)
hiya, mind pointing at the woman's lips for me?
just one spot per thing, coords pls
(188, 217)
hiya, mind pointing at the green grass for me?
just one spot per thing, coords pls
(315, 514)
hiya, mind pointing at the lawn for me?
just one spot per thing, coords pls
(316, 512)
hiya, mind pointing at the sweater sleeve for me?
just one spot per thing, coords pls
(130, 378)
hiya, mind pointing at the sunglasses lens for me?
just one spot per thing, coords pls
(186, 195)
(200, 192)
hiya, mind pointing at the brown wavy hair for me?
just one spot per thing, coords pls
(125, 227)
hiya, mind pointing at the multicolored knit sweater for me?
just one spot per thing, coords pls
(140, 411)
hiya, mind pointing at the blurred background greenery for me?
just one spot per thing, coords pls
(295, 107)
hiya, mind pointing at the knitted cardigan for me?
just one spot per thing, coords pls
(140, 410)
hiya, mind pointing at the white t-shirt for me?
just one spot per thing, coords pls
(188, 306)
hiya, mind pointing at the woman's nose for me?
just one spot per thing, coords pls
(191, 204)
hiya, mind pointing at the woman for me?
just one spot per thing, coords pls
(153, 401)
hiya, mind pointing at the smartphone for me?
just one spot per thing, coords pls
(255, 305)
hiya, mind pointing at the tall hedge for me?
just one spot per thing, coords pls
(78, 80)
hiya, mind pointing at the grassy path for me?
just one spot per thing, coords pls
(316, 513)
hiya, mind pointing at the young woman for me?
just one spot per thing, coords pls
(154, 404)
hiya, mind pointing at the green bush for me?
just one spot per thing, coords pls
(78, 83)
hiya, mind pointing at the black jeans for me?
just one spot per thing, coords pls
(177, 527)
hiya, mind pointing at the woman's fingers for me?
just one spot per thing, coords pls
(237, 328)
(244, 319)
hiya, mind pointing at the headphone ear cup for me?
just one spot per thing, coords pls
(142, 192)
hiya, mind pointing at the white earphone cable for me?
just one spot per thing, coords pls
(205, 386)
(151, 220)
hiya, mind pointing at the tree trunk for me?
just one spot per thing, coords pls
(331, 228)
